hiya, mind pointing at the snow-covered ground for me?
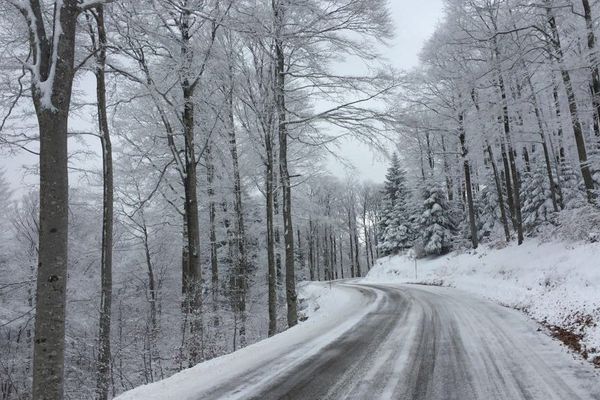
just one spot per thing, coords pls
(331, 311)
(555, 283)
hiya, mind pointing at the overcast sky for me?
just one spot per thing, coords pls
(415, 21)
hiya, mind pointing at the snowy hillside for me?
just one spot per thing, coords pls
(556, 283)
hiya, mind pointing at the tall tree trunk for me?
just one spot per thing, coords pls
(240, 237)
(468, 186)
(591, 44)
(318, 254)
(212, 220)
(311, 245)
(366, 233)
(277, 227)
(447, 175)
(499, 192)
(271, 267)
(152, 288)
(290, 273)
(372, 240)
(576, 123)
(341, 257)
(547, 158)
(193, 280)
(301, 254)
(334, 254)
(326, 261)
(516, 185)
(526, 159)
(561, 155)
(104, 354)
(356, 252)
(497, 178)
(352, 244)
(507, 182)
(52, 103)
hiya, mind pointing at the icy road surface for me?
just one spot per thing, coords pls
(394, 342)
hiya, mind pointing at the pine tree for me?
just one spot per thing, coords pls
(437, 227)
(395, 227)
(570, 183)
(399, 234)
(488, 211)
(535, 199)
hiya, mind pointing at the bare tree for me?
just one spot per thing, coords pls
(99, 47)
(52, 71)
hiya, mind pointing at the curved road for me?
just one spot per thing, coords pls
(404, 342)
(427, 343)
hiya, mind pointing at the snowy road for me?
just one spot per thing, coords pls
(412, 342)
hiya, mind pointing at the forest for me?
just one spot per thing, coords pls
(182, 192)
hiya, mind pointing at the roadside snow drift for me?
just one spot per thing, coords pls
(557, 284)
(332, 310)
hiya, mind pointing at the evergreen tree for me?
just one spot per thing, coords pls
(487, 206)
(399, 234)
(437, 227)
(394, 180)
(570, 184)
(395, 227)
(535, 198)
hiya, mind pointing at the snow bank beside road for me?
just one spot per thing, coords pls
(555, 283)
(332, 310)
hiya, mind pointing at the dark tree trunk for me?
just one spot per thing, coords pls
(516, 184)
(334, 253)
(326, 260)
(577, 129)
(352, 244)
(288, 234)
(241, 263)
(271, 266)
(104, 353)
(366, 233)
(152, 288)
(547, 158)
(49, 336)
(318, 254)
(559, 133)
(500, 195)
(212, 220)
(341, 257)
(356, 255)
(468, 186)
(591, 44)
(449, 183)
(311, 245)
(193, 273)
(277, 228)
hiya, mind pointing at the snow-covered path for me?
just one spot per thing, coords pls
(407, 342)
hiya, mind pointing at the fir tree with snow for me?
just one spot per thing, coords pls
(570, 187)
(487, 207)
(399, 233)
(535, 199)
(437, 227)
(395, 226)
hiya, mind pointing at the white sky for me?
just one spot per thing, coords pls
(415, 22)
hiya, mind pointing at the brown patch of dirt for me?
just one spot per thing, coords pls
(572, 336)
(571, 339)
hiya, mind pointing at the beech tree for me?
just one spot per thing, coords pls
(51, 66)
